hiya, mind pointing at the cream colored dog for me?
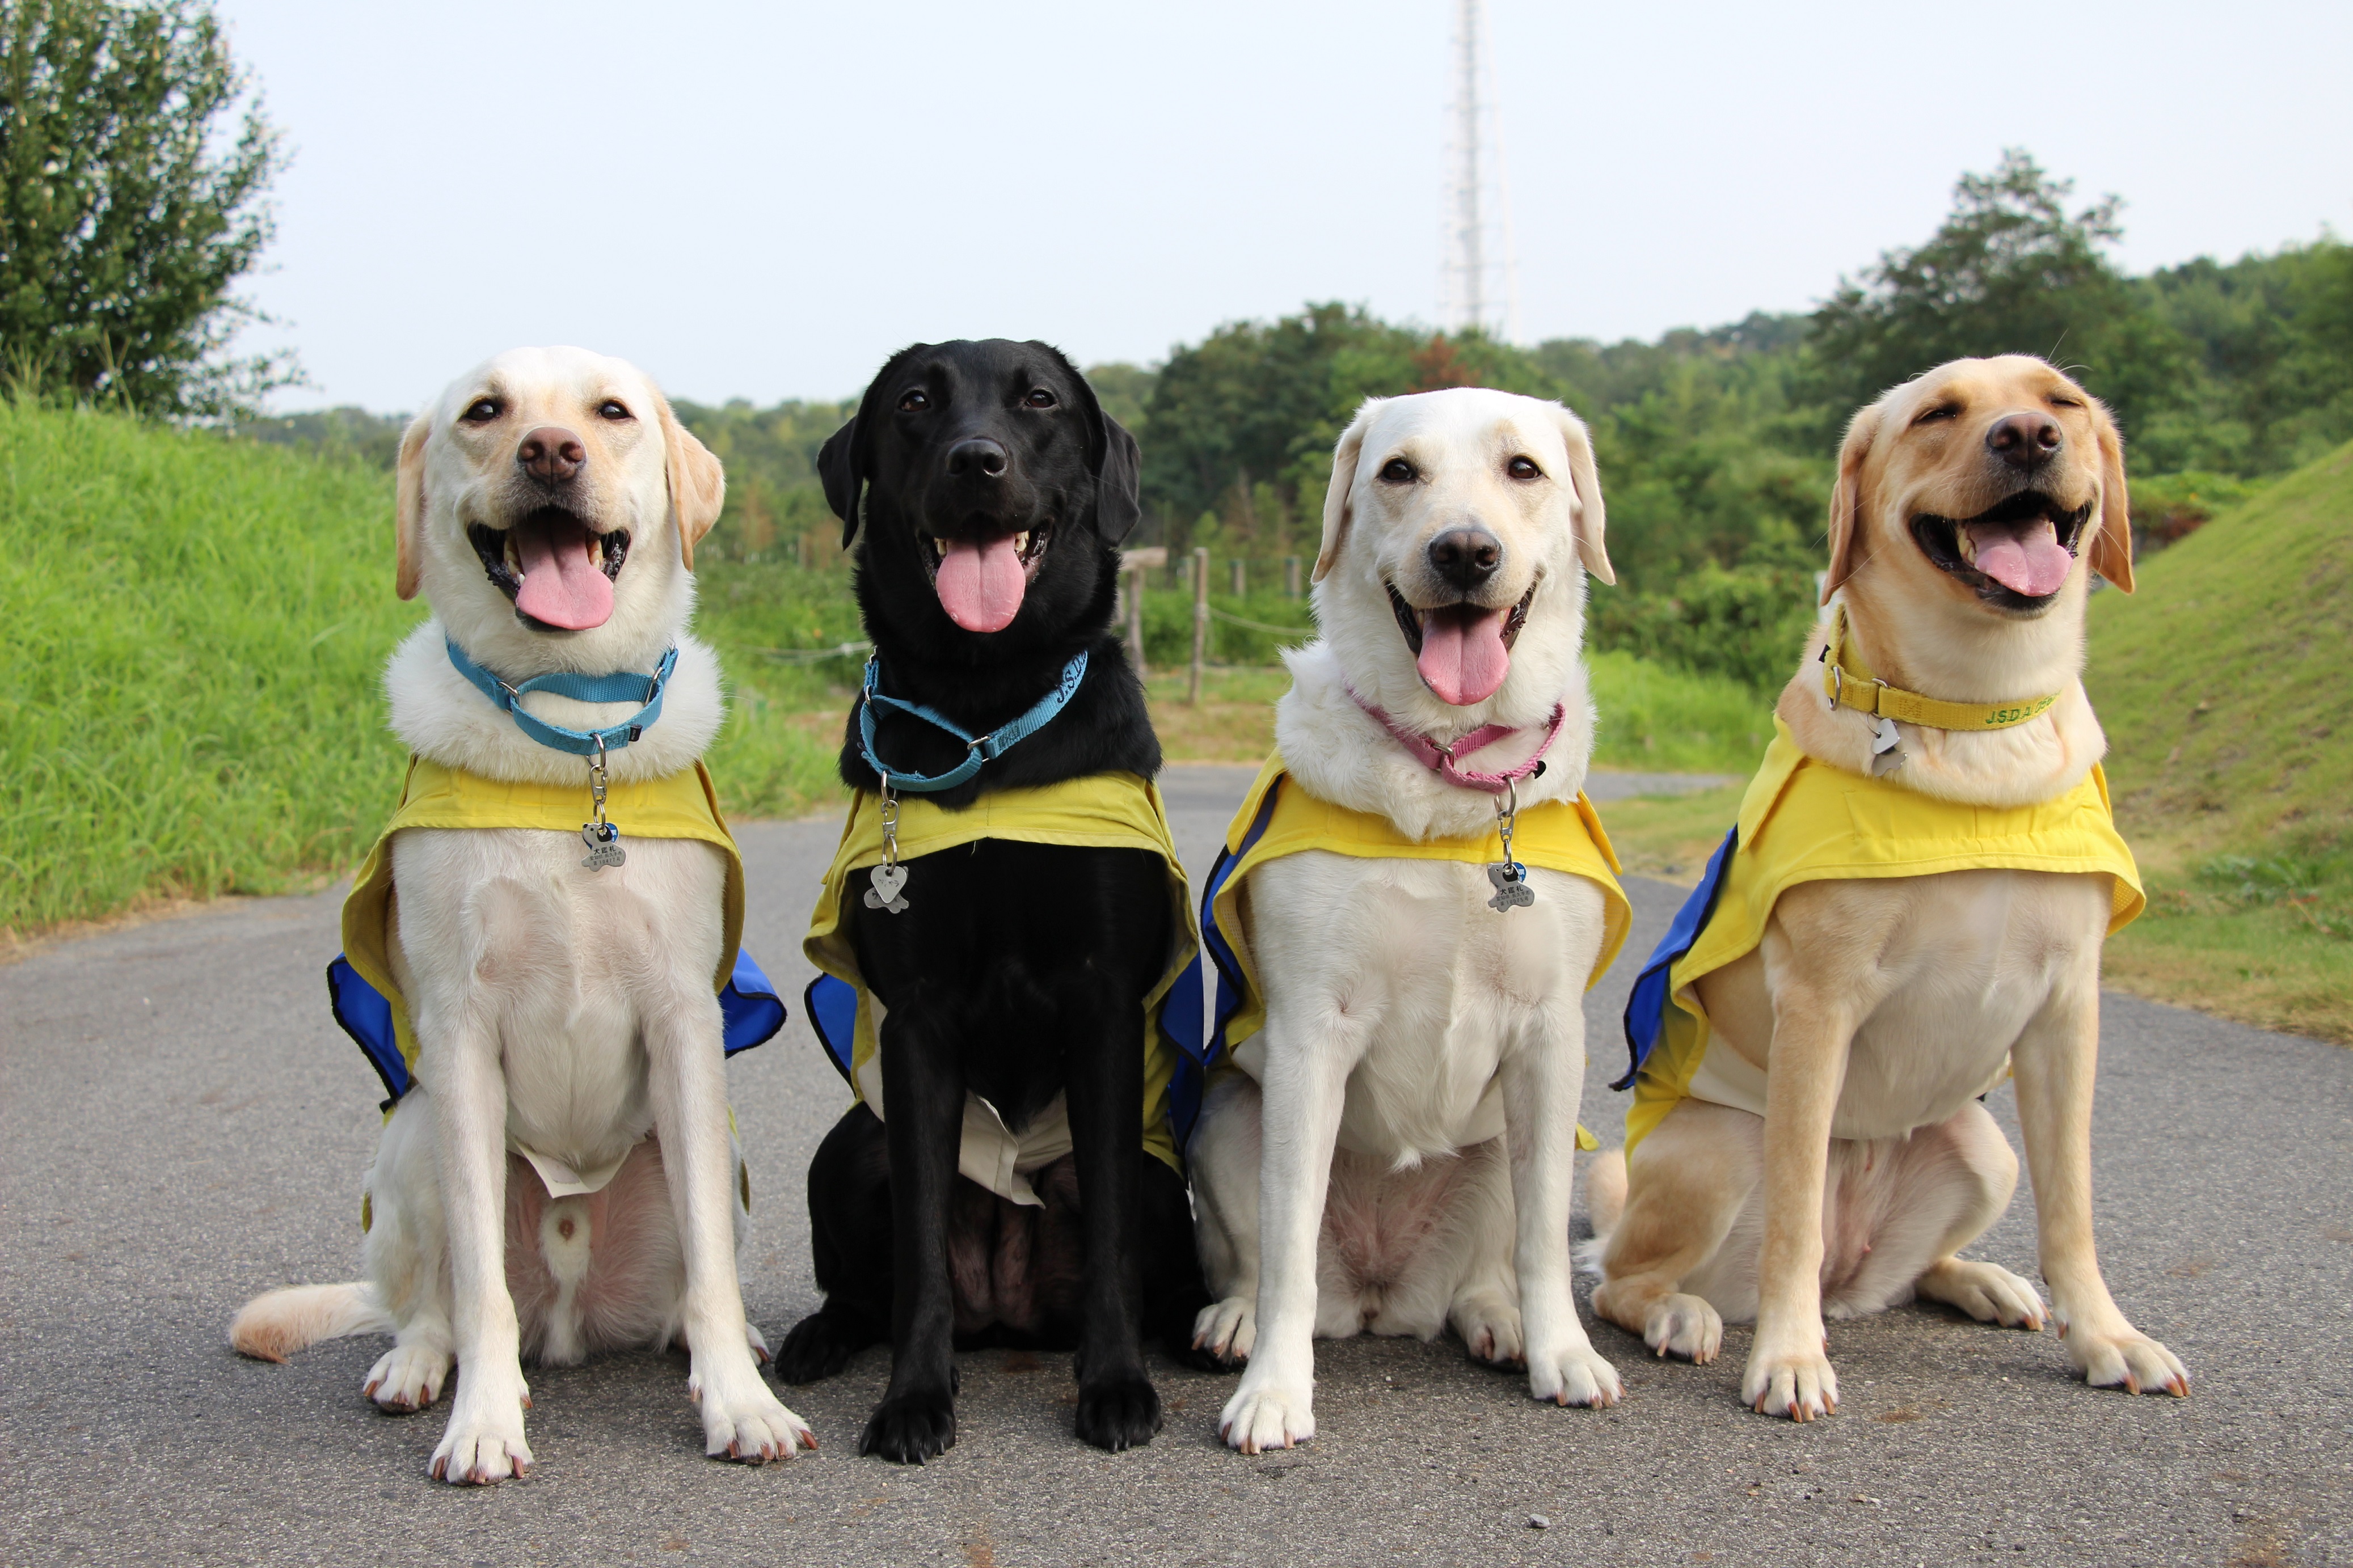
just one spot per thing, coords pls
(548, 508)
(1844, 1160)
(1353, 1174)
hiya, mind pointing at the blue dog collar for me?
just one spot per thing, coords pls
(979, 748)
(623, 686)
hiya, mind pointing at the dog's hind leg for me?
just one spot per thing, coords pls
(1685, 1186)
(1224, 1159)
(1173, 1292)
(1938, 1191)
(1485, 1307)
(850, 1242)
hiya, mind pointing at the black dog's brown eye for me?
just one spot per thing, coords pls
(1524, 468)
(914, 401)
(613, 408)
(1397, 471)
(481, 411)
(1039, 398)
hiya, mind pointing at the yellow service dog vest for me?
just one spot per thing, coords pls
(1102, 811)
(1279, 818)
(1803, 820)
(366, 1000)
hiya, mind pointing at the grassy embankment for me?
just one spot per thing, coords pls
(194, 707)
(2226, 689)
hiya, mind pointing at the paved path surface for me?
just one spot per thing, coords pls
(181, 1126)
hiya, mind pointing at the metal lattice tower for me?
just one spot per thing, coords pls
(1478, 274)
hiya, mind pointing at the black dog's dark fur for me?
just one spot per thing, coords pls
(1018, 970)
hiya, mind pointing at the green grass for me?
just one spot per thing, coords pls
(195, 705)
(2226, 689)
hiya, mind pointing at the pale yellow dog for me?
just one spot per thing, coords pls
(1811, 1138)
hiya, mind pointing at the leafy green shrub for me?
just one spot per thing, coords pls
(1747, 624)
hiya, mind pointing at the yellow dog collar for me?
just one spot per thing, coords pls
(1849, 685)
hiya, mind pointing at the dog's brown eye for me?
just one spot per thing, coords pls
(481, 411)
(1396, 471)
(1039, 398)
(1942, 411)
(2057, 402)
(914, 401)
(1524, 468)
(613, 408)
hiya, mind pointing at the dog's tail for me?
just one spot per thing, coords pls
(1605, 1200)
(273, 1327)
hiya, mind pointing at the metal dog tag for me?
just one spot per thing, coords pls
(603, 841)
(1886, 749)
(1512, 890)
(884, 894)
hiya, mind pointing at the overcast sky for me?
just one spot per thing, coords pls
(764, 200)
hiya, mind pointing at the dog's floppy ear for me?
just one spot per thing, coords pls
(1846, 499)
(2112, 545)
(841, 467)
(1590, 514)
(1111, 456)
(408, 506)
(698, 481)
(1119, 504)
(1345, 458)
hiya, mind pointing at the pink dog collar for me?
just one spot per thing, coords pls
(1439, 759)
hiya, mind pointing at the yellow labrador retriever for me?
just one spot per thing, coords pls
(1915, 902)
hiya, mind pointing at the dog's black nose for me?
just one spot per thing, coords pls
(976, 458)
(2023, 440)
(1466, 557)
(552, 453)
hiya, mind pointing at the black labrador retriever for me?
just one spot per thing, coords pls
(995, 487)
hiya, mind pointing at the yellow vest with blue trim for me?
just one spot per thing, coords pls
(1101, 811)
(367, 1001)
(1803, 820)
(1280, 817)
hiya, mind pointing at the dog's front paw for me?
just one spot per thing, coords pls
(1263, 1414)
(910, 1428)
(479, 1449)
(1574, 1375)
(408, 1378)
(2125, 1358)
(1790, 1376)
(1119, 1414)
(743, 1421)
(1490, 1327)
(1225, 1331)
(1684, 1325)
(1986, 1292)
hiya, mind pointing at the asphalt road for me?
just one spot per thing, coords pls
(182, 1126)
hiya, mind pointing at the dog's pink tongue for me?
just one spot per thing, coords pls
(561, 582)
(2026, 561)
(980, 584)
(1463, 659)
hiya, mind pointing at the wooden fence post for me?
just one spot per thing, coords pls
(1135, 617)
(1290, 576)
(1201, 618)
(1240, 582)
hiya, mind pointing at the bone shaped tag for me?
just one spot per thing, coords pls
(1886, 749)
(603, 841)
(884, 894)
(1512, 890)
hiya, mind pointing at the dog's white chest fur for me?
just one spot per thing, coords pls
(1441, 986)
(563, 964)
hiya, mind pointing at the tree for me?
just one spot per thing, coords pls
(2009, 271)
(123, 223)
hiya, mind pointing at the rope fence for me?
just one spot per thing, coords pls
(814, 655)
(1217, 613)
